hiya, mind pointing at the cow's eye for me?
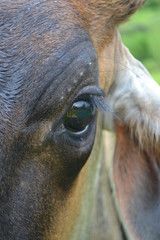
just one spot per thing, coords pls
(79, 115)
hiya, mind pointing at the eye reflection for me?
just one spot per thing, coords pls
(79, 115)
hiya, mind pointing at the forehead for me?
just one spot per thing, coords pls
(43, 50)
(32, 32)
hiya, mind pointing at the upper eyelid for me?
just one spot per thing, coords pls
(86, 95)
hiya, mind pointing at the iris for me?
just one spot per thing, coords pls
(79, 115)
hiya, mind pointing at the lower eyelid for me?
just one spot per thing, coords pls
(78, 133)
(74, 140)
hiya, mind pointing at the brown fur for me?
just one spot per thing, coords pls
(100, 17)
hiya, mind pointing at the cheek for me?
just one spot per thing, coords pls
(25, 199)
(31, 196)
(73, 152)
(32, 183)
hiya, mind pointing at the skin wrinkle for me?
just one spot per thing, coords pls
(29, 57)
(59, 79)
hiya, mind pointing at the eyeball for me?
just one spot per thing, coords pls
(79, 115)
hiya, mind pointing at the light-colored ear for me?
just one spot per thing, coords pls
(135, 98)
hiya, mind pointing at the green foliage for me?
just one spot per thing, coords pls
(152, 4)
(142, 36)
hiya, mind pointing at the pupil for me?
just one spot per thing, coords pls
(79, 115)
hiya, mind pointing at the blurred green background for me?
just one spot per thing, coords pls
(141, 34)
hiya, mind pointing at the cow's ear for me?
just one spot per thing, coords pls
(137, 185)
(134, 97)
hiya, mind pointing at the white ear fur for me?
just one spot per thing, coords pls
(135, 97)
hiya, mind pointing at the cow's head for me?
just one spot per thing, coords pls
(55, 56)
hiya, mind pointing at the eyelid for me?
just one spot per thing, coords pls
(78, 133)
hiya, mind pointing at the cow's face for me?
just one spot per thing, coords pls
(49, 89)
(49, 77)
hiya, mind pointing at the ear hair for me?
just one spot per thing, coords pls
(135, 97)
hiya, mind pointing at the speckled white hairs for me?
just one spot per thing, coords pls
(135, 97)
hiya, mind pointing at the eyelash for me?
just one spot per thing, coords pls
(101, 105)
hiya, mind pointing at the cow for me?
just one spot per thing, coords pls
(65, 79)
